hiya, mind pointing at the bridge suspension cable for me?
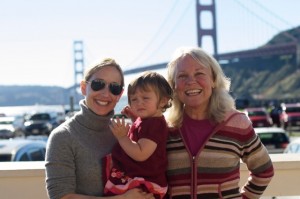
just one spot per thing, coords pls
(256, 15)
(272, 13)
(164, 40)
(271, 25)
(155, 36)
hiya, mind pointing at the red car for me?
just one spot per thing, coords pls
(259, 117)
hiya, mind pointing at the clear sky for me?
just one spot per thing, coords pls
(36, 36)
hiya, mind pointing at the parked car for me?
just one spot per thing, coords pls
(9, 128)
(22, 150)
(275, 139)
(293, 114)
(40, 124)
(259, 117)
(293, 147)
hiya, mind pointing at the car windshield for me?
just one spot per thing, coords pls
(40, 117)
(6, 122)
(256, 113)
(292, 109)
(271, 138)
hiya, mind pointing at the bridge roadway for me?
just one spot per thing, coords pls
(291, 48)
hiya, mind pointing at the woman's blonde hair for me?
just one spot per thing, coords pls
(220, 101)
(101, 64)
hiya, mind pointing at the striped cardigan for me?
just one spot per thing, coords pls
(215, 171)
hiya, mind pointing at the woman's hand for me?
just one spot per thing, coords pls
(130, 194)
(137, 194)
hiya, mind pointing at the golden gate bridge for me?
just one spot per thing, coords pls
(288, 48)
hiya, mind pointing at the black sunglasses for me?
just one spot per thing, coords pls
(99, 84)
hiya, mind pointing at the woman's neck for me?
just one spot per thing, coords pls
(196, 114)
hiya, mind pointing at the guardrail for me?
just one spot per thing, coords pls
(26, 180)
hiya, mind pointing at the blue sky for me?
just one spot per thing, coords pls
(36, 36)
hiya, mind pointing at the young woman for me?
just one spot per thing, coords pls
(75, 148)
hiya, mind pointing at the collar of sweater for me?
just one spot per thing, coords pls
(90, 119)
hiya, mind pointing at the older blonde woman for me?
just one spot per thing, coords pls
(210, 136)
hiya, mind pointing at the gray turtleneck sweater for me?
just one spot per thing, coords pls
(74, 153)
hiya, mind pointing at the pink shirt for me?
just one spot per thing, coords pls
(195, 132)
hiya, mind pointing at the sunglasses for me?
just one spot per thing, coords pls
(99, 84)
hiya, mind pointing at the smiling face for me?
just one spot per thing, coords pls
(103, 101)
(193, 84)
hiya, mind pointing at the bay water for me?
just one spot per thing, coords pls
(21, 110)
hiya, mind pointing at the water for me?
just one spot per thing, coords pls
(121, 104)
(21, 110)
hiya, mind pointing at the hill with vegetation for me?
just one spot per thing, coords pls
(268, 78)
(32, 95)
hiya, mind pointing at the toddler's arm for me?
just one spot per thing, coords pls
(140, 150)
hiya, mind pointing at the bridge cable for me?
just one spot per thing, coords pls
(170, 33)
(266, 22)
(279, 18)
(155, 35)
(272, 13)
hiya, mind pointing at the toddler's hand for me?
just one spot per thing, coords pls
(129, 113)
(119, 128)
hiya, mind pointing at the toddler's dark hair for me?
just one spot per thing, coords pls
(152, 80)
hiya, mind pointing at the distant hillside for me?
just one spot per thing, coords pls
(280, 84)
(267, 78)
(287, 36)
(31, 95)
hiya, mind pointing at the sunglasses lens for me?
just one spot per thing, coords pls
(97, 85)
(115, 88)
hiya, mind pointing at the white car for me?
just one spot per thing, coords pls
(9, 129)
(275, 139)
(22, 150)
(293, 147)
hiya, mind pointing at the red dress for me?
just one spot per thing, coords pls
(150, 175)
